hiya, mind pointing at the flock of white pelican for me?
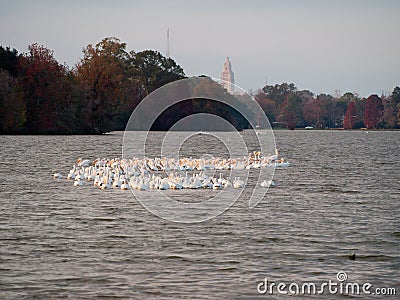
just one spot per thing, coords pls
(167, 173)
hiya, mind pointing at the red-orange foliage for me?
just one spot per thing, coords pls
(43, 81)
(350, 116)
(373, 114)
(268, 105)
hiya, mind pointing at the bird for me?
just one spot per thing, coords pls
(78, 182)
(227, 184)
(217, 186)
(237, 183)
(124, 185)
(165, 173)
(267, 183)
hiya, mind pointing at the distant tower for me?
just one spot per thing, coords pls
(167, 53)
(227, 77)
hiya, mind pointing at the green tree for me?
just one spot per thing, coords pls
(391, 115)
(396, 100)
(9, 60)
(151, 70)
(341, 106)
(12, 108)
(214, 90)
(278, 93)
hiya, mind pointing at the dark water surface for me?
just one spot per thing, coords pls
(341, 194)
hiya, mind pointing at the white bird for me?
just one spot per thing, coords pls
(143, 185)
(175, 185)
(220, 179)
(116, 182)
(217, 186)
(237, 183)
(282, 163)
(71, 174)
(227, 184)
(195, 182)
(83, 163)
(124, 185)
(106, 183)
(80, 176)
(145, 173)
(78, 182)
(267, 183)
(163, 185)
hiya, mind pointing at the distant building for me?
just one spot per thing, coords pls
(227, 77)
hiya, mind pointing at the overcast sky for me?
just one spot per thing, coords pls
(323, 46)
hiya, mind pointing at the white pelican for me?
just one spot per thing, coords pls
(71, 174)
(163, 185)
(217, 186)
(237, 183)
(124, 185)
(267, 183)
(227, 184)
(78, 182)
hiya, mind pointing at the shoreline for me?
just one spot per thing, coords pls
(274, 129)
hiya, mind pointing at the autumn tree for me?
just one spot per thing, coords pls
(268, 105)
(354, 116)
(316, 111)
(341, 106)
(103, 78)
(373, 114)
(114, 81)
(292, 111)
(350, 116)
(46, 90)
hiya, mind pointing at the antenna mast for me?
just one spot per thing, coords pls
(167, 53)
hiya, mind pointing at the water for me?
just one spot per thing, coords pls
(340, 195)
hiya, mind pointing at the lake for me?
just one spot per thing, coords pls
(340, 195)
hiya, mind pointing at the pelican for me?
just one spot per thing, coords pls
(124, 185)
(78, 182)
(143, 174)
(227, 184)
(237, 183)
(71, 174)
(267, 183)
(217, 186)
(282, 163)
(163, 185)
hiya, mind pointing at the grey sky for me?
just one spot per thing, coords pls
(323, 46)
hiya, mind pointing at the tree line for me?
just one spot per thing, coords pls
(38, 95)
(286, 106)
